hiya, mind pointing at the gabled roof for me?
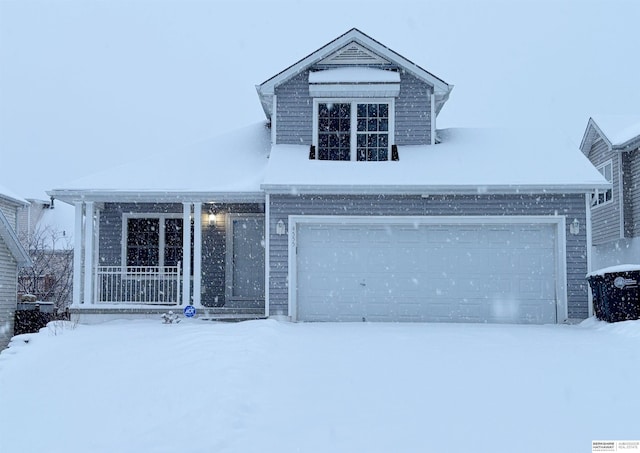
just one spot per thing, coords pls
(11, 239)
(366, 48)
(12, 198)
(619, 132)
(228, 167)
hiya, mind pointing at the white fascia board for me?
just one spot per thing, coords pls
(72, 196)
(382, 90)
(428, 190)
(13, 243)
(14, 200)
(267, 88)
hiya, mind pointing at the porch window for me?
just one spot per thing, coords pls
(354, 125)
(153, 241)
(601, 197)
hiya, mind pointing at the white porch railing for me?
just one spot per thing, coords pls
(148, 285)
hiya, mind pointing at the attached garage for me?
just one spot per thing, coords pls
(505, 269)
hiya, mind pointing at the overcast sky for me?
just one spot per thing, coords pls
(86, 84)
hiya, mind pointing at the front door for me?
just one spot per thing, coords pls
(245, 261)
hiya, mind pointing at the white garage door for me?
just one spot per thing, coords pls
(426, 272)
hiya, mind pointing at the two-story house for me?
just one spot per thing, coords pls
(612, 144)
(12, 257)
(348, 205)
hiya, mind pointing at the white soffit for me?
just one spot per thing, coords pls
(354, 81)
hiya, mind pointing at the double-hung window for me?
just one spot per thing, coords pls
(152, 240)
(354, 129)
(600, 196)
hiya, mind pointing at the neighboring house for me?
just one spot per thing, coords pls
(350, 206)
(612, 144)
(12, 258)
(46, 232)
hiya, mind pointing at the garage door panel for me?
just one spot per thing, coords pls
(465, 273)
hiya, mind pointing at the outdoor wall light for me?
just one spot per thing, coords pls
(212, 218)
(281, 228)
(574, 227)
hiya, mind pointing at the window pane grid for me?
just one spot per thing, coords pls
(334, 131)
(372, 134)
(603, 196)
(152, 242)
(143, 240)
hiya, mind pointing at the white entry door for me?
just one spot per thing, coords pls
(427, 272)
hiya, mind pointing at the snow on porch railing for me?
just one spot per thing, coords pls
(148, 285)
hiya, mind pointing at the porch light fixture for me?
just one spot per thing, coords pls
(212, 218)
(281, 228)
(574, 227)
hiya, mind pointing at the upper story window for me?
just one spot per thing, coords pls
(601, 197)
(353, 129)
(153, 240)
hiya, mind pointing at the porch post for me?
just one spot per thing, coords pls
(197, 254)
(186, 253)
(78, 248)
(88, 253)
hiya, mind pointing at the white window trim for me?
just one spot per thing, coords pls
(354, 120)
(150, 215)
(597, 192)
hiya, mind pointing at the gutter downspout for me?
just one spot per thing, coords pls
(433, 119)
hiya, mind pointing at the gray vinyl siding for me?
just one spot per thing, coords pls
(10, 211)
(294, 111)
(571, 205)
(213, 241)
(8, 293)
(628, 217)
(606, 218)
(632, 192)
(413, 112)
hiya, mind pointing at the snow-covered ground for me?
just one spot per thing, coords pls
(269, 386)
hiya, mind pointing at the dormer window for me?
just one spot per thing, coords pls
(353, 129)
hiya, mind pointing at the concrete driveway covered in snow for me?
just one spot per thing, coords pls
(133, 386)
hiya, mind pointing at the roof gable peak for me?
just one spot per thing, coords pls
(352, 47)
(354, 53)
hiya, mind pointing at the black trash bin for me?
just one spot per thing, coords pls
(31, 316)
(616, 293)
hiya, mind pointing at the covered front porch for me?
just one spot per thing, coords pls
(145, 258)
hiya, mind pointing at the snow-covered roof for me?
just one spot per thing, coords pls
(229, 167)
(238, 167)
(12, 197)
(619, 129)
(467, 161)
(54, 223)
(621, 132)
